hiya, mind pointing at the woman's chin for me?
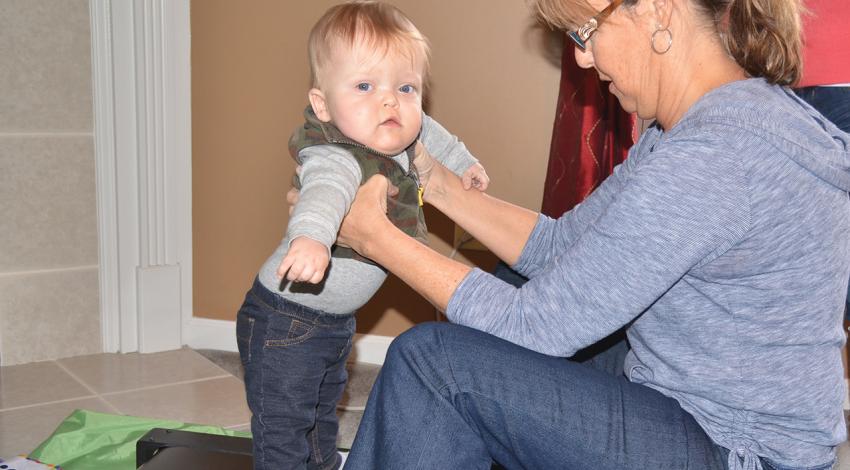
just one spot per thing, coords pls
(627, 106)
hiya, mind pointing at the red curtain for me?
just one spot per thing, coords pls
(591, 135)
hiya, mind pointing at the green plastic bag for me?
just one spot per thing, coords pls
(87, 440)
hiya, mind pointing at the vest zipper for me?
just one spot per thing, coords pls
(411, 173)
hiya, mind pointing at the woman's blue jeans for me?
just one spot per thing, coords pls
(450, 397)
(831, 101)
(834, 103)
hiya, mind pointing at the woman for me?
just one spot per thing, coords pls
(720, 246)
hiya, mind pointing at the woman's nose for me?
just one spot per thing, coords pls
(584, 58)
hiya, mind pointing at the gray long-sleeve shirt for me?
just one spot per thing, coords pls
(724, 244)
(330, 177)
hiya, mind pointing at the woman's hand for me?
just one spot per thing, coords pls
(432, 173)
(369, 232)
(367, 217)
(424, 163)
(292, 198)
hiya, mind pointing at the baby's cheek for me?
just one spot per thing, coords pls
(417, 118)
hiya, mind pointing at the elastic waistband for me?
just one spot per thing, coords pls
(288, 307)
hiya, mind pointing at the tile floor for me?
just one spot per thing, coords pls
(179, 385)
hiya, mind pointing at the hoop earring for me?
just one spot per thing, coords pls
(669, 44)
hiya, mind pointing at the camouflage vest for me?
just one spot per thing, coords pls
(404, 211)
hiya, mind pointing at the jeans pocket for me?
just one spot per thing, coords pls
(244, 334)
(286, 331)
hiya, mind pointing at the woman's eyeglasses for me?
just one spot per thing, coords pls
(581, 35)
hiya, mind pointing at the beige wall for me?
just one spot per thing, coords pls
(48, 225)
(494, 84)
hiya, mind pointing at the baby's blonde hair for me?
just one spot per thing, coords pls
(383, 26)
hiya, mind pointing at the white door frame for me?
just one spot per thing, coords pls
(142, 109)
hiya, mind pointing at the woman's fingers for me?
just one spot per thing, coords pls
(292, 198)
(368, 212)
(376, 188)
(293, 194)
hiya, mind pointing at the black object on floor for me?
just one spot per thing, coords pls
(171, 449)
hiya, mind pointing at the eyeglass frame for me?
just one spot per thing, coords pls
(583, 33)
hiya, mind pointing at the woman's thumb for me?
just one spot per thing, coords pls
(384, 185)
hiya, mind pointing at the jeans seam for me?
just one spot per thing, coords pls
(314, 442)
(422, 454)
(448, 362)
(249, 338)
(621, 408)
(280, 343)
(344, 348)
(488, 397)
(262, 405)
(292, 329)
(332, 464)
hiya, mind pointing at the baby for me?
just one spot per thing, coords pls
(368, 64)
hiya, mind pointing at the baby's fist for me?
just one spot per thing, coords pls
(475, 177)
(305, 261)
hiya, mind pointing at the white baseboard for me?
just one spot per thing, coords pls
(205, 333)
(371, 349)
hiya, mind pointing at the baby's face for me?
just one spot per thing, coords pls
(375, 98)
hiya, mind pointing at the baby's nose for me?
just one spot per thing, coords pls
(390, 99)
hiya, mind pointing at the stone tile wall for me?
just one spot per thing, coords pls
(48, 213)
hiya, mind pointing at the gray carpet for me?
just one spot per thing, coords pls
(361, 376)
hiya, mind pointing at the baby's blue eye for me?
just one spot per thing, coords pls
(407, 89)
(364, 86)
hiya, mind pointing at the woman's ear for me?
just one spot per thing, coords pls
(319, 104)
(663, 11)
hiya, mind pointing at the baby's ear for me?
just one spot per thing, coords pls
(319, 104)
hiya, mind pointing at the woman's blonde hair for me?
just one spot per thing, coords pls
(563, 14)
(384, 27)
(763, 36)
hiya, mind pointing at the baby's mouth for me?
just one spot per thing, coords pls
(391, 122)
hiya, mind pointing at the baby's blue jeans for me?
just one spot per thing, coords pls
(294, 360)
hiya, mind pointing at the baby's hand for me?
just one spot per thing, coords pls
(475, 177)
(305, 261)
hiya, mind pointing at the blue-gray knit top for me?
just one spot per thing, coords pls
(724, 245)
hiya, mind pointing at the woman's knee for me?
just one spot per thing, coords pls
(420, 347)
(421, 336)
